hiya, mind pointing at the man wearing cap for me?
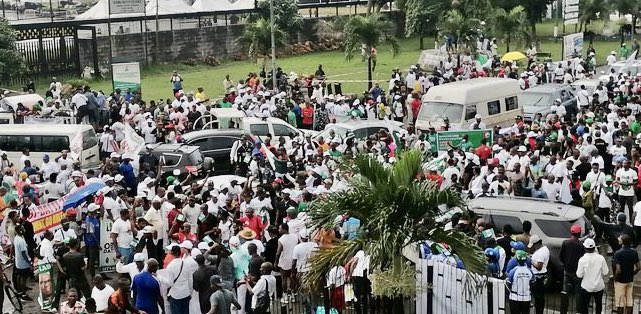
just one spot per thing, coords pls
(591, 269)
(134, 268)
(91, 235)
(558, 108)
(519, 281)
(221, 299)
(179, 277)
(303, 251)
(146, 289)
(65, 233)
(540, 259)
(571, 251)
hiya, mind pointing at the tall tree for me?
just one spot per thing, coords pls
(511, 26)
(625, 7)
(591, 10)
(422, 16)
(286, 15)
(395, 211)
(363, 33)
(256, 38)
(11, 62)
(463, 29)
(535, 10)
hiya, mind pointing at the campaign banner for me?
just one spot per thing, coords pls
(46, 284)
(126, 76)
(47, 216)
(572, 43)
(107, 252)
(446, 139)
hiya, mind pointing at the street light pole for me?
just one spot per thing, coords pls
(273, 39)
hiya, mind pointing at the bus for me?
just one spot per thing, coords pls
(49, 139)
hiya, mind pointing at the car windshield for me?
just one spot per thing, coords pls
(433, 111)
(341, 132)
(535, 99)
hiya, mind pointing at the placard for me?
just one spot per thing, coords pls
(46, 284)
(126, 76)
(572, 43)
(454, 138)
(126, 6)
(107, 251)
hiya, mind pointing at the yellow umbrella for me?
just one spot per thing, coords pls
(513, 56)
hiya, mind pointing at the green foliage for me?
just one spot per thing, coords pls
(511, 26)
(369, 31)
(534, 9)
(331, 28)
(286, 15)
(256, 38)
(395, 211)
(464, 29)
(11, 62)
(591, 10)
(421, 16)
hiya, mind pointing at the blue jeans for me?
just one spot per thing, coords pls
(179, 306)
(127, 254)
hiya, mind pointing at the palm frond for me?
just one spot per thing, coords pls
(327, 258)
(470, 253)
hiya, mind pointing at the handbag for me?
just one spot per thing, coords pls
(264, 301)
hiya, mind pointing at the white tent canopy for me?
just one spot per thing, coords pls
(243, 5)
(101, 9)
(212, 5)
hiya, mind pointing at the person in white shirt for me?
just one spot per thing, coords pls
(101, 293)
(540, 259)
(551, 187)
(266, 284)
(284, 256)
(178, 276)
(582, 97)
(448, 174)
(591, 269)
(357, 269)
(48, 167)
(611, 59)
(134, 268)
(478, 124)
(627, 179)
(303, 252)
(119, 130)
(122, 235)
(595, 177)
(65, 233)
(46, 248)
(558, 108)
(397, 106)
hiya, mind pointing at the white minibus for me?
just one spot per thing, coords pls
(48, 139)
(494, 99)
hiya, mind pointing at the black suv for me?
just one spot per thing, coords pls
(179, 156)
(217, 144)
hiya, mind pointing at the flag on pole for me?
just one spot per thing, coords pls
(131, 146)
(565, 195)
(75, 147)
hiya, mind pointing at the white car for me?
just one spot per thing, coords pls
(358, 129)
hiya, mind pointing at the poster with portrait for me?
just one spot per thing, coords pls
(46, 286)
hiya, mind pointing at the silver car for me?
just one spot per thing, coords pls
(540, 98)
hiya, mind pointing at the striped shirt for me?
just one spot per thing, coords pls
(520, 279)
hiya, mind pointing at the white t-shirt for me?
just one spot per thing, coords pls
(123, 230)
(288, 241)
(302, 252)
(60, 235)
(541, 255)
(626, 176)
(362, 265)
(101, 297)
(637, 212)
(551, 189)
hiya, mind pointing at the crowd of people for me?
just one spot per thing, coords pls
(189, 246)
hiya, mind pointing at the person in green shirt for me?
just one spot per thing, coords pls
(635, 127)
(225, 103)
(291, 117)
(624, 52)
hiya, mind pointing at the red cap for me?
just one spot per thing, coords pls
(575, 229)
(278, 180)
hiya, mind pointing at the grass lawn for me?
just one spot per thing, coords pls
(155, 80)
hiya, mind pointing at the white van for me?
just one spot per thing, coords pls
(49, 139)
(495, 99)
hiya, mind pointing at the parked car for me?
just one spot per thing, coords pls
(540, 98)
(358, 129)
(590, 85)
(632, 68)
(550, 220)
(180, 156)
(217, 144)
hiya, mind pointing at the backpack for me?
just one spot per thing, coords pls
(264, 301)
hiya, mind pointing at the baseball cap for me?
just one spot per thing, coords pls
(139, 257)
(203, 246)
(533, 240)
(575, 229)
(118, 177)
(93, 207)
(76, 174)
(186, 245)
(589, 243)
(517, 245)
(216, 280)
(521, 256)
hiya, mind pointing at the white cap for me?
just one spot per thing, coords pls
(496, 147)
(287, 191)
(139, 257)
(558, 100)
(118, 177)
(214, 193)
(77, 174)
(613, 52)
(171, 245)
(522, 149)
(176, 172)
(589, 243)
(114, 155)
(203, 246)
(477, 116)
(93, 207)
(148, 180)
(186, 245)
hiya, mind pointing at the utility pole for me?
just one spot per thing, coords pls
(273, 38)
(157, 59)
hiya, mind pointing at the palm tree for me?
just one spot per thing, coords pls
(256, 38)
(590, 10)
(511, 26)
(395, 211)
(367, 32)
(463, 28)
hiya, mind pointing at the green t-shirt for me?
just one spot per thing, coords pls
(225, 104)
(335, 153)
(635, 127)
(291, 119)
